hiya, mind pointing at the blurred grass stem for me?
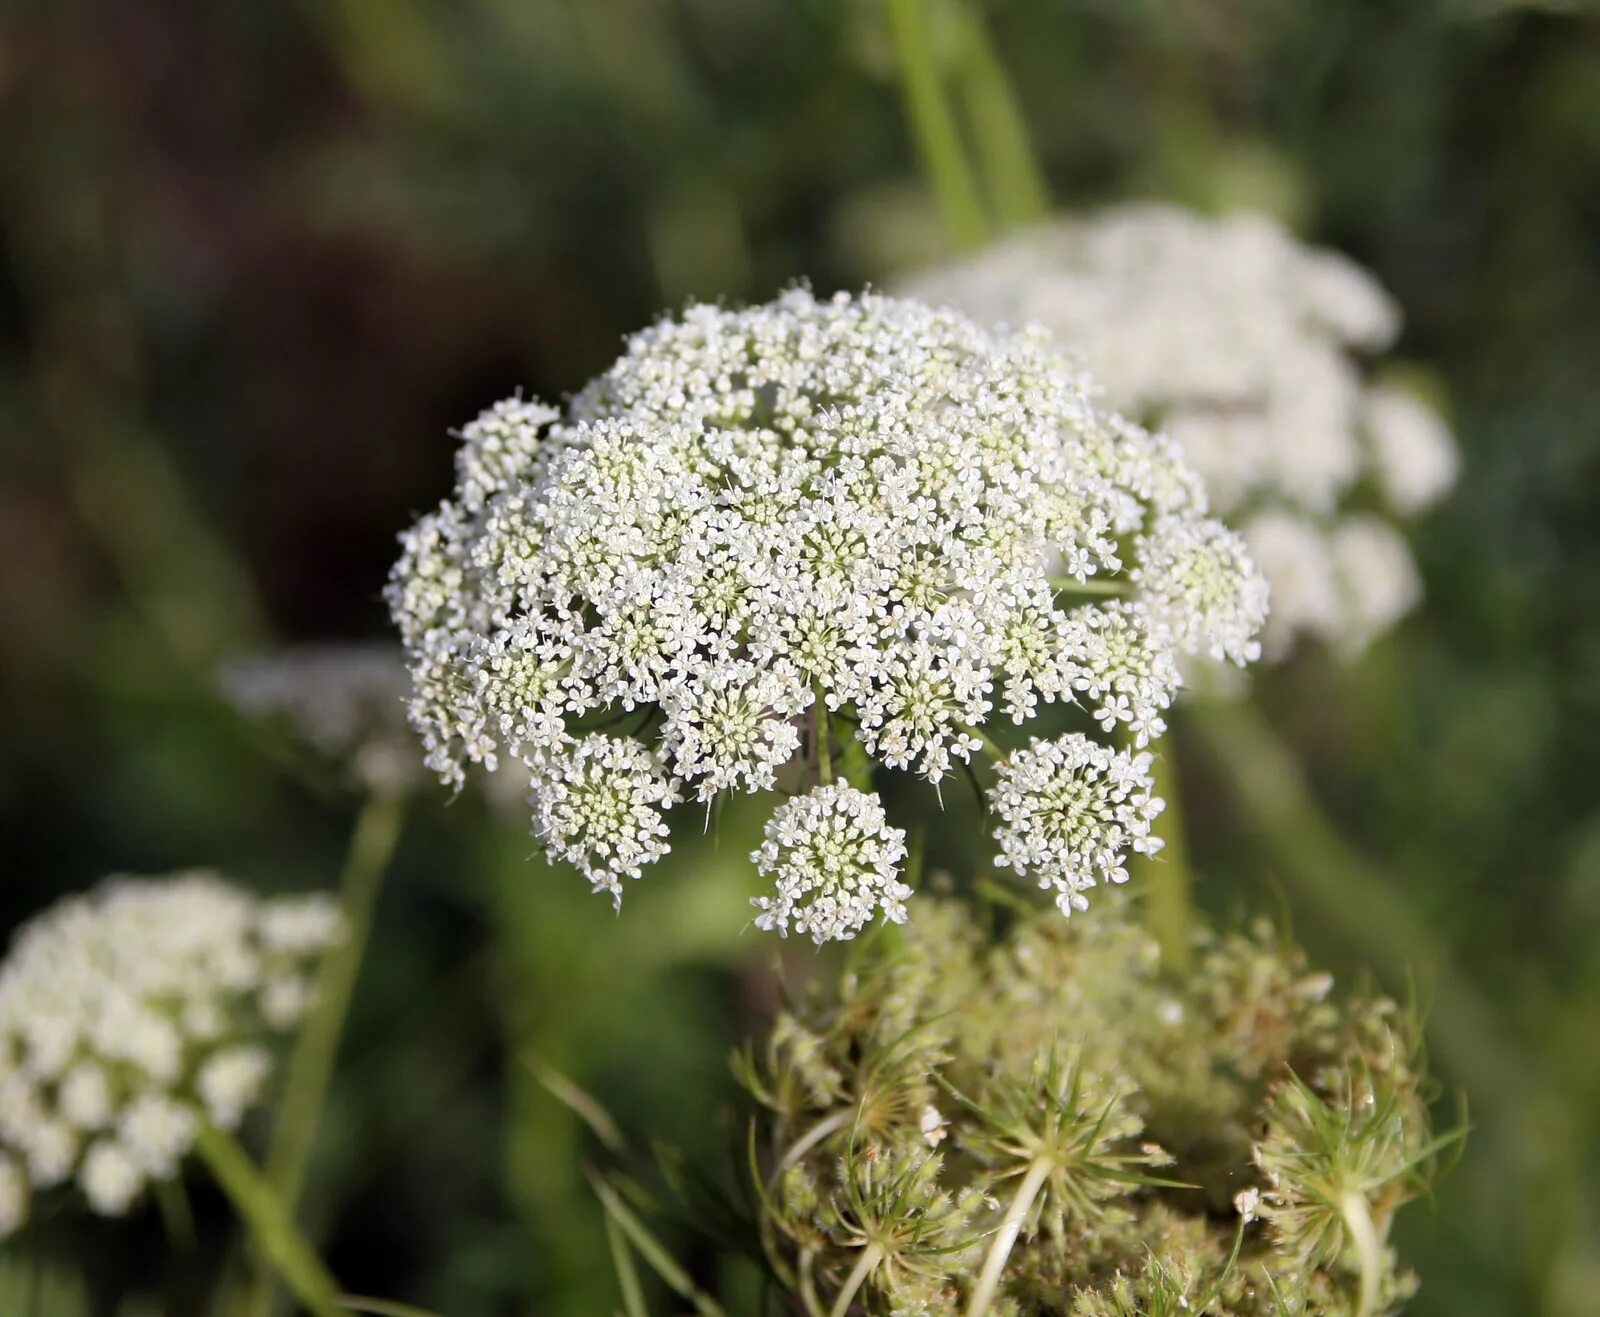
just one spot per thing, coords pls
(269, 1222)
(372, 844)
(933, 124)
(1016, 184)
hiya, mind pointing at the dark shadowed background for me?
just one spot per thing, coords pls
(257, 259)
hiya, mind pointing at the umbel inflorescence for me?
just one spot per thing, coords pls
(1046, 1123)
(133, 1015)
(1241, 343)
(765, 534)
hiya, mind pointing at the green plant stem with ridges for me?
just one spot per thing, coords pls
(1357, 1216)
(865, 1266)
(372, 844)
(1165, 878)
(822, 734)
(994, 1263)
(270, 1224)
(1005, 154)
(933, 124)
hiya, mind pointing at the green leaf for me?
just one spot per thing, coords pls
(650, 1248)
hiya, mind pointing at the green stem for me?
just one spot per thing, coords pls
(822, 734)
(999, 131)
(943, 156)
(1094, 585)
(808, 1287)
(809, 1140)
(177, 1216)
(310, 1072)
(1167, 880)
(1369, 1253)
(865, 1265)
(994, 1264)
(269, 1222)
(633, 1304)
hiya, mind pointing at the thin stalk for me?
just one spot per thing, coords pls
(994, 1263)
(808, 1287)
(633, 1304)
(372, 843)
(822, 731)
(865, 1265)
(1094, 585)
(177, 1216)
(934, 126)
(1358, 1221)
(1001, 143)
(809, 1140)
(1167, 879)
(269, 1222)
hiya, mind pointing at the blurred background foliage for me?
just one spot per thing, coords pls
(257, 259)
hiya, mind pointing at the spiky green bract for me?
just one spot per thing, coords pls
(1051, 1125)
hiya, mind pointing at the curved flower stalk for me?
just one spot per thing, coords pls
(765, 534)
(1095, 1136)
(136, 1016)
(1240, 343)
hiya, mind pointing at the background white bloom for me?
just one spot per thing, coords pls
(834, 858)
(1237, 341)
(347, 701)
(130, 1015)
(766, 529)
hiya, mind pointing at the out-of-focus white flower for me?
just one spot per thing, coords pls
(109, 1178)
(1239, 342)
(129, 1016)
(1377, 577)
(230, 1082)
(763, 529)
(835, 859)
(1296, 556)
(1412, 449)
(348, 702)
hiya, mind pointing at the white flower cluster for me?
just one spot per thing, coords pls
(1237, 341)
(130, 1015)
(834, 858)
(1070, 810)
(346, 701)
(766, 528)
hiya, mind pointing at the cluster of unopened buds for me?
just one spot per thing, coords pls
(783, 547)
